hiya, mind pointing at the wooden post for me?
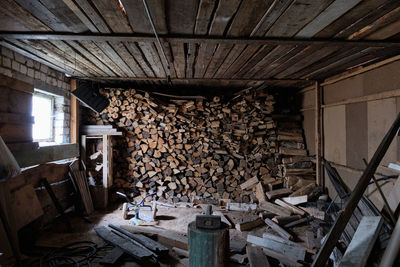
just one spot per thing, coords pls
(105, 169)
(318, 134)
(74, 120)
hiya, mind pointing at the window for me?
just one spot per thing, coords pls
(43, 112)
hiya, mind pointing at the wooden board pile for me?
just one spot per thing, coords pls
(211, 149)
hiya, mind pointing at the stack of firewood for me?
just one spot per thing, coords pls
(213, 149)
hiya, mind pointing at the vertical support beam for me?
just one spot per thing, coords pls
(110, 160)
(74, 121)
(105, 169)
(83, 148)
(318, 133)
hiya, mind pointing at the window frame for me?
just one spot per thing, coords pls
(39, 93)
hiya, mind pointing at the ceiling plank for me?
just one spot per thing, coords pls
(178, 52)
(241, 60)
(247, 17)
(59, 63)
(326, 17)
(203, 19)
(190, 56)
(349, 18)
(99, 53)
(78, 47)
(199, 39)
(235, 52)
(257, 57)
(223, 14)
(271, 15)
(139, 20)
(77, 11)
(15, 11)
(151, 54)
(128, 58)
(33, 56)
(38, 10)
(203, 58)
(275, 54)
(296, 16)
(109, 51)
(71, 54)
(369, 18)
(181, 16)
(140, 58)
(93, 15)
(113, 15)
(65, 15)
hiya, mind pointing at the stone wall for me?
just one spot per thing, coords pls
(47, 80)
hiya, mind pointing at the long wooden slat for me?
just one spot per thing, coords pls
(15, 11)
(199, 39)
(277, 65)
(190, 57)
(305, 61)
(72, 55)
(242, 59)
(65, 15)
(153, 58)
(46, 154)
(60, 55)
(275, 54)
(326, 17)
(217, 59)
(257, 57)
(181, 16)
(247, 17)
(112, 13)
(128, 58)
(296, 17)
(140, 58)
(235, 52)
(138, 19)
(356, 195)
(97, 52)
(358, 251)
(388, 18)
(203, 18)
(82, 16)
(371, 16)
(349, 18)
(78, 47)
(42, 57)
(93, 15)
(37, 9)
(271, 15)
(109, 51)
(224, 12)
(179, 59)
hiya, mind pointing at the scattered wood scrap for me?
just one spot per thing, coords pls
(282, 232)
(256, 257)
(286, 249)
(132, 249)
(250, 224)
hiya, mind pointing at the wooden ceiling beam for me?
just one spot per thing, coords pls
(196, 39)
(193, 79)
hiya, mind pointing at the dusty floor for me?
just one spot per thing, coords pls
(176, 219)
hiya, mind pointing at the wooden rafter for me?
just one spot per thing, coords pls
(195, 39)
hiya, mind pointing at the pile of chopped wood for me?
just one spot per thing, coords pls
(213, 149)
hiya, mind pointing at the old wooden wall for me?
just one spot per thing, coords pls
(354, 126)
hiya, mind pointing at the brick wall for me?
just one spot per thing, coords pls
(46, 79)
